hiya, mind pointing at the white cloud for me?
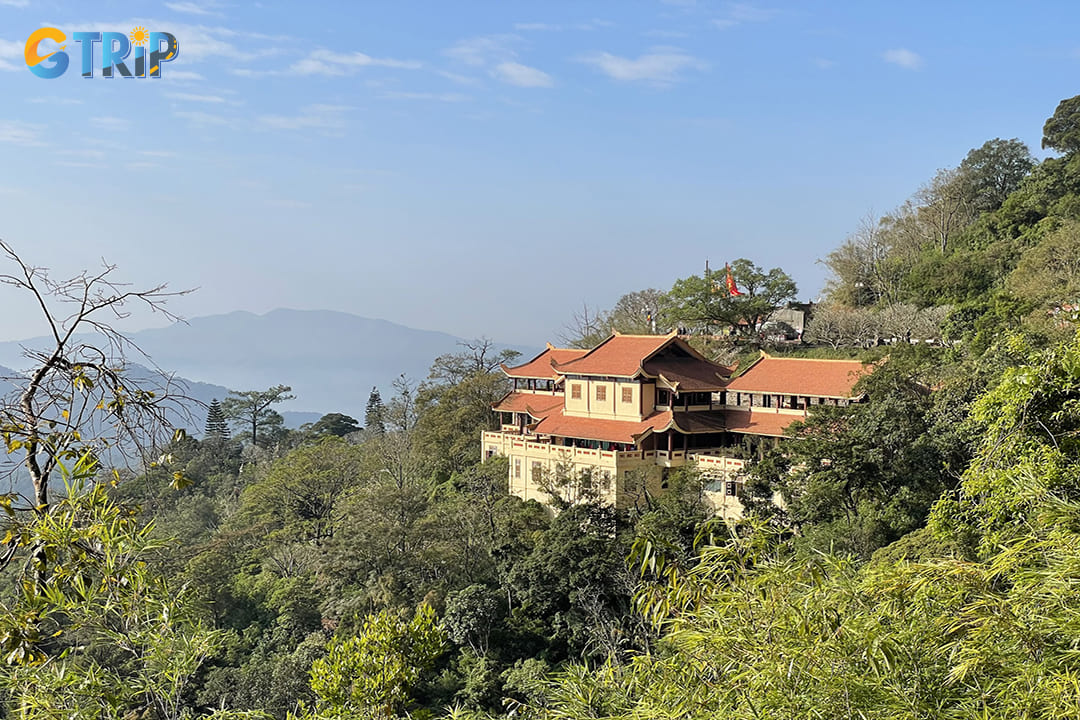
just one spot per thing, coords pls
(484, 50)
(192, 97)
(15, 3)
(824, 63)
(327, 62)
(325, 117)
(459, 79)
(662, 66)
(158, 153)
(19, 134)
(141, 165)
(519, 75)
(190, 7)
(497, 54)
(903, 58)
(11, 55)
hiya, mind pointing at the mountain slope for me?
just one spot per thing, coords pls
(330, 359)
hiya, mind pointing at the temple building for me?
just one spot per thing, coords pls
(635, 406)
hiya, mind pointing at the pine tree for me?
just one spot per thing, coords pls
(217, 428)
(375, 415)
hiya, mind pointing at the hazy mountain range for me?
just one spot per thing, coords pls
(330, 359)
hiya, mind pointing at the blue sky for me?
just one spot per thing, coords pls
(485, 168)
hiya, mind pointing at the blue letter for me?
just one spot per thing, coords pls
(87, 39)
(113, 56)
(159, 56)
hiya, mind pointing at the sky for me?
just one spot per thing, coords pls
(489, 168)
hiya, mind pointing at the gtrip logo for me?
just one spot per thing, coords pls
(115, 49)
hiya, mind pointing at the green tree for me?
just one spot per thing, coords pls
(252, 410)
(703, 302)
(372, 674)
(1062, 130)
(332, 424)
(217, 427)
(454, 406)
(471, 613)
(574, 587)
(301, 496)
(375, 415)
(993, 171)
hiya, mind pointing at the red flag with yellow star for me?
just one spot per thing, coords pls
(732, 289)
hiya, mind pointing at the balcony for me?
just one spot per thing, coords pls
(708, 459)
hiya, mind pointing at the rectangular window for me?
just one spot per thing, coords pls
(575, 391)
(535, 473)
(517, 469)
(628, 395)
(731, 488)
(661, 397)
(601, 393)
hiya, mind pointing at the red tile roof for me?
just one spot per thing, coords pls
(539, 406)
(618, 356)
(801, 376)
(540, 366)
(621, 431)
(751, 422)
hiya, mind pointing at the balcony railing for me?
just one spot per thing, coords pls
(706, 458)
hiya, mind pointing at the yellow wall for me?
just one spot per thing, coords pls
(611, 407)
(579, 406)
(648, 399)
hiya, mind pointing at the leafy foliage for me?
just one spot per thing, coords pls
(373, 673)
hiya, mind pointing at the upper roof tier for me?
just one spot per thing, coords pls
(540, 367)
(651, 356)
(807, 377)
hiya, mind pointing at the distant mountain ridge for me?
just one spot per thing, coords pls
(330, 359)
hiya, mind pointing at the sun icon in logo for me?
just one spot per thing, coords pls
(138, 35)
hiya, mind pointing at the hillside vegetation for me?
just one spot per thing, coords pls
(925, 563)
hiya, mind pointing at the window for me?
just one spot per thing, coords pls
(628, 395)
(517, 469)
(575, 391)
(731, 488)
(534, 475)
(601, 393)
(661, 397)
